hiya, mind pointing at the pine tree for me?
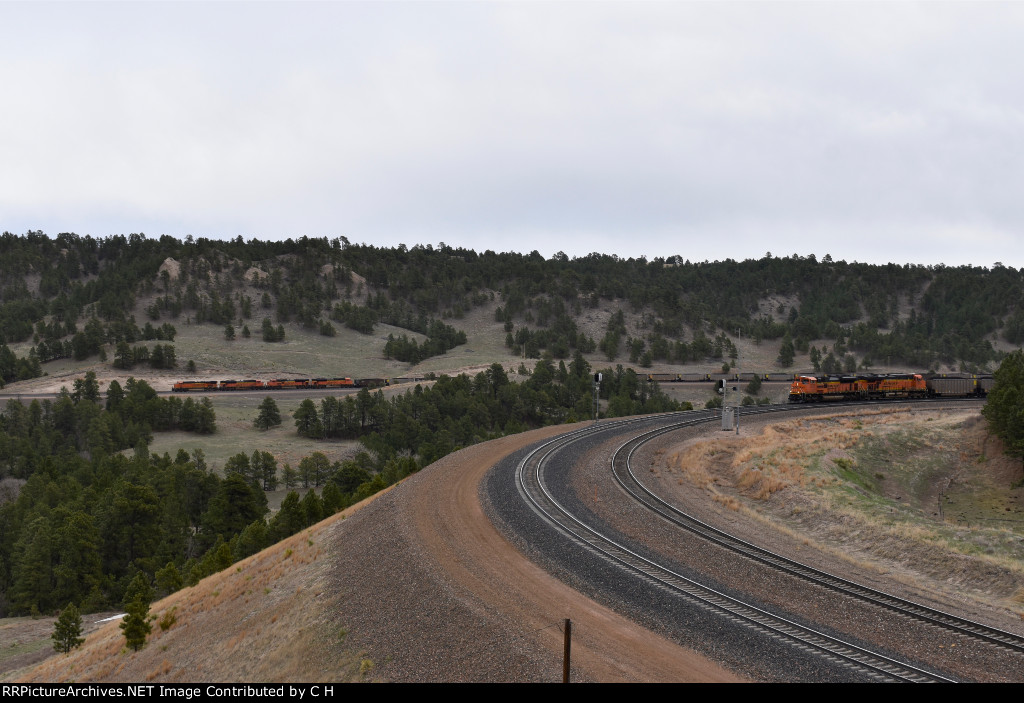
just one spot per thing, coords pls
(786, 352)
(307, 421)
(168, 579)
(138, 589)
(269, 415)
(67, 630)
(312, 508)
(136, 624)
(1004, 410)
(289, 476)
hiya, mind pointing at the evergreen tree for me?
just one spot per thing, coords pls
(123, 357)
(269, 333)
(87, 388)
(312, 508)
(289, 519)
(754, 387)
(67, 631)
(264, 469)
(332, 498)
(313, 469)
(786, 352)
(206, 419)
(32, 588)
(138, 589)
(289, 476)
(135, 624)
(1005, 407)
(269, 416)
(306, 419)
(235, 505)
(168, 579)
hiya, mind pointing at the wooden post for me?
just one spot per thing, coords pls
(565, 651)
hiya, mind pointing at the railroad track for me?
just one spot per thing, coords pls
(622, 471)
(531, 484)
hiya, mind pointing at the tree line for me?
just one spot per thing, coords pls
(87, 517)
(899, 313)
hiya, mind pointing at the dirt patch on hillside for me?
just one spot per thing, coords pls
(172, 267)
(255, 275)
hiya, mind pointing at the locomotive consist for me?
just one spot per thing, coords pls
(813, 389)
(276, 384)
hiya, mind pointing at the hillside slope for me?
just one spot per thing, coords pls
(413, 586)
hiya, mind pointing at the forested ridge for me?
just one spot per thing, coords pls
(85, 506)
(75, 297)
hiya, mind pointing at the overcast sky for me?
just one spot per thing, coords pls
(869, 131)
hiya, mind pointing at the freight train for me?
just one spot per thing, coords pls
(807, 388)
(813, 389)
(277, 384)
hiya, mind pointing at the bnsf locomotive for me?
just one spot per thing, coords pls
(813, 389)
(276, 384)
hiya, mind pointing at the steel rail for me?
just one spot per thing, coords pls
(530, 484)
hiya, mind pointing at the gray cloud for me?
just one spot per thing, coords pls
(871, 131)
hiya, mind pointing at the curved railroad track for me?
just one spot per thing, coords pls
(579, 526)
(625, 476)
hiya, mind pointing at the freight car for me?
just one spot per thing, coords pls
(277, 384)
(371, 382)
(722, 377)
(678, 377)
(663, 377)
(693, 377)
(959, 385)
(707, 377)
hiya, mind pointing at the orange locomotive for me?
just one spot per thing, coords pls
(186, 386)
(250, 384)
(332, 383)
(812, 389)
(278, 384)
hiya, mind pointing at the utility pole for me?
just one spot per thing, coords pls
(566, 646)
(597, 394)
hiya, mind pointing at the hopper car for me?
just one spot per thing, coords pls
(277, 384)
